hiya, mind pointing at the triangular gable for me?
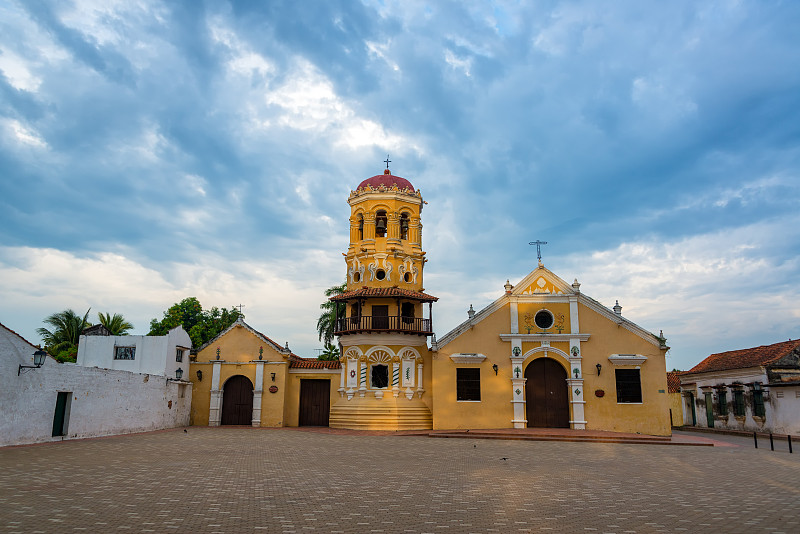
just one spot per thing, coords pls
(240, 322)
(542, 281)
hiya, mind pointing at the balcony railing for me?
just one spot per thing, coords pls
(373, 323)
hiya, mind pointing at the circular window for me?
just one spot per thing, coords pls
(381, 274)
(407, 277)
(357, 277)
(543, 319)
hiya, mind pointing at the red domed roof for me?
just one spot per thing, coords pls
(388, 180)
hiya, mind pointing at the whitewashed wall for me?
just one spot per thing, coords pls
(102, 401)
(154, 354)
(787, 416)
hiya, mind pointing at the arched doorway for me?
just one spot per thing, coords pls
(546, 394)
(237, 401)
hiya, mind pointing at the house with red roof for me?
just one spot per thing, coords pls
(755, 389)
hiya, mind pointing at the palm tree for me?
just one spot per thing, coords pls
(66, 330)
(326, 324)
(116, 324)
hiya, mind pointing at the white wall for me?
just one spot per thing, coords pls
(102, 401)
(154, 354)
(786, 418)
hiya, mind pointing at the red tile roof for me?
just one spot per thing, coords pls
(296, 362)
(742, 358)
(674, 381)
(388, 180)
(384, 292)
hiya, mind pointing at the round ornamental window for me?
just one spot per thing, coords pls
(407, 277)
(381, 274)
(543, 319)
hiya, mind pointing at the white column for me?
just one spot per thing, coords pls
(257, 392)
(214, 409)
(352, 377)
(420, 389)
(514, 317)
(342, 378)
(362, 385)
(576, 399)
(574, 324)
(518, 392)
(396, 379)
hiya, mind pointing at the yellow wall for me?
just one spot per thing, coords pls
(237, 350)
(292, 405)
(676, 406)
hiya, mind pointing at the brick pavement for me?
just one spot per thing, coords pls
(279, 480)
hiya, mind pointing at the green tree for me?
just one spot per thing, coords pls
(331, 353)
(116, 324)
(202, 326)
(61, 340)
(327, 319)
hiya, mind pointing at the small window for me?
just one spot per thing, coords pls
(543, 319)
(629, 385)
(379, 376)
(360, 227)
(758, 402)
(124, 353)
(380, 224)
(407, 277)
(178, 355)
(356, 277)
(722, 404)
(380, 274)
(404, 226)
(738, 402)
(468, 384)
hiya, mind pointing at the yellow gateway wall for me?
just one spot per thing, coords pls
(584, 334)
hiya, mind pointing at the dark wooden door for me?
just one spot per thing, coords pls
(61, 412)
(315, 402)
(237, 401)
(546, 394)
(709, 410)
(380, 317)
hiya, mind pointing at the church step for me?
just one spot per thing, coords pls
(649, 440)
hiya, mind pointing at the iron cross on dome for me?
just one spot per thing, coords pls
(387, 161)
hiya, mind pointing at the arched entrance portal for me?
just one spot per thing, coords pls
(237, 401)
(546, 397)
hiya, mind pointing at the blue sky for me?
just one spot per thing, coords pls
(151, 151)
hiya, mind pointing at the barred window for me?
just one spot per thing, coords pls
(124, 353)
(722, 397)
(468, 384)
(629, 385)
(738, 402)
(758, 403)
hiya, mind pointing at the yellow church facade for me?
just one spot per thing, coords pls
(543, 354)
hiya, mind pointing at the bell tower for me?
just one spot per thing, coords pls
(381, 322)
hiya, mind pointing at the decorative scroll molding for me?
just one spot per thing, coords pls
(467, 357)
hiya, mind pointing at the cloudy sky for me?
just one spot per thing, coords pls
(151, 151)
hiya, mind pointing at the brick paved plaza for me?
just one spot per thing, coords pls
(286, 480)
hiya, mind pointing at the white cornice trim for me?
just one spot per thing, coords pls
(620, 320)
(469, 323)
(545, 337)
(467, 357)
(627, 359)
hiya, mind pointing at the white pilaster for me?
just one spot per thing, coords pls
(420, 389)
(257, 392)
(574, 324)
(214, 412)
(514, 318)
(576, 399)
(362, 385)
(518, 399)
(396, 379)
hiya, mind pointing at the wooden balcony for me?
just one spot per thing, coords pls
(374, 323)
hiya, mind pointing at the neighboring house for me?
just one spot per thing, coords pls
(756, 389)
(675, 400)
(242, 377)
(155, 355)
(61, 401)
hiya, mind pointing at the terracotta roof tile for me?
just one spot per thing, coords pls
(296, 362)
(387, 180)
(674, 381)
(384, 292)
(742, 358)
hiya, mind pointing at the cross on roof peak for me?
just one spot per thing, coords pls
(538, 244)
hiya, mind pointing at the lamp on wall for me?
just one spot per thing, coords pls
(598, 368)
(494, 368)
(178, 373)
(39, 357)
(199, 375)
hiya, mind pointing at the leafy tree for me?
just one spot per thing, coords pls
(62, 340)
(327, 319)
(201, 325)
(331, 353)
(116, 324)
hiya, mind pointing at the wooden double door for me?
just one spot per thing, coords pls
(546, 394)
(237, 401)
(315, 402)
